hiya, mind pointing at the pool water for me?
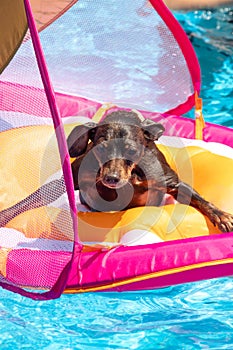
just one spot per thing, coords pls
(211, 33)
(192, 316)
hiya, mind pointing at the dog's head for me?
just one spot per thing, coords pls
(118, 143)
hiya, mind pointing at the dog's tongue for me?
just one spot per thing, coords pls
(168, 199)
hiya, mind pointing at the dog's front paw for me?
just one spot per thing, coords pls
(223, 220)
(226, 222)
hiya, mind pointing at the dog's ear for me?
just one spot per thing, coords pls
(152, 130)
(78, 139)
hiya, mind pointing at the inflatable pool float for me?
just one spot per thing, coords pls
(63, 246)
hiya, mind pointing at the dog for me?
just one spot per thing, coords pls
(118, 166)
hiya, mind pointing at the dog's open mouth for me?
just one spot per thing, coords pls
(113, 181)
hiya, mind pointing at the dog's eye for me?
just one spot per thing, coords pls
(131, 152)
(131, 155)
(101, 148)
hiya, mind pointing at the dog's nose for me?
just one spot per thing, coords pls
(112, 180)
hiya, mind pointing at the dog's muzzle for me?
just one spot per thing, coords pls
(113, 181)
(115, 173)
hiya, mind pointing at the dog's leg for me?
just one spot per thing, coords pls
(184, 194)
(45, 195)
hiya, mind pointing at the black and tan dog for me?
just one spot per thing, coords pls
(118, 166)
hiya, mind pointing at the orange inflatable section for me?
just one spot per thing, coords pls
(208, 173)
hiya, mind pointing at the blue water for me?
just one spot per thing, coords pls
(211, 33)
(193, 316)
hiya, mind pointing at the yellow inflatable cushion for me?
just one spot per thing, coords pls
(29, 155)
(167, 223)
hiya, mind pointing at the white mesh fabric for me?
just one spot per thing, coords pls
(37, 242)
(111, 51)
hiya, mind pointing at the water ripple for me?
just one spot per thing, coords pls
(194, 313)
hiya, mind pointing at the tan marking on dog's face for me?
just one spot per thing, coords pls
(115, 173)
